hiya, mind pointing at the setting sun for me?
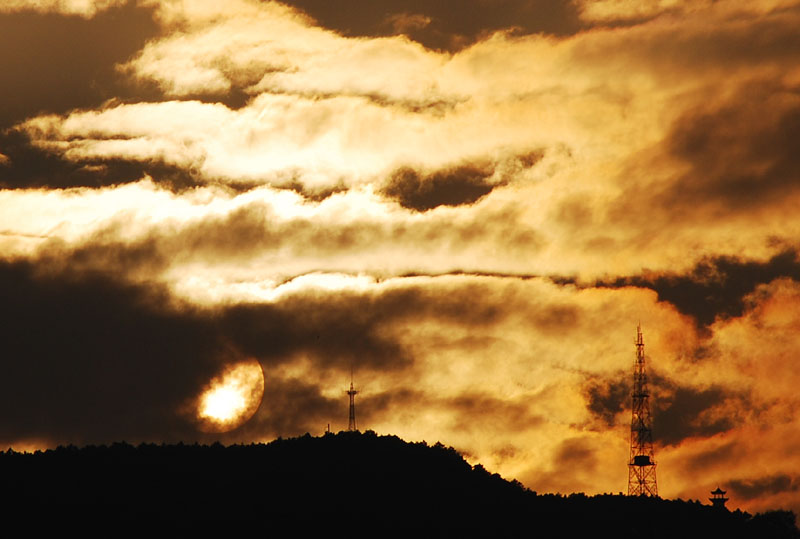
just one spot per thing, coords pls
(232, 398)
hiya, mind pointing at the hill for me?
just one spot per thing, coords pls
(365, 484)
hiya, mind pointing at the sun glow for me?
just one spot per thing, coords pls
(231, 398)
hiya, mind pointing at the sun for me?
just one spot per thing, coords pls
(231, 398)
(223, 403)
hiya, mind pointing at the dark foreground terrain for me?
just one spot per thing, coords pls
(363, 484)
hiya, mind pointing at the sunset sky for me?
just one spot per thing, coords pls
(471, 204)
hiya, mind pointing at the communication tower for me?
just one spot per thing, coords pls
(641, 466)
(351, 425)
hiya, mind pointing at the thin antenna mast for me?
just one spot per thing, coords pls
(351, 425)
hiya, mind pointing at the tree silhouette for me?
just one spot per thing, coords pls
(370, 484)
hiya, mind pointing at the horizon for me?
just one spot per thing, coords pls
(371, 433)
(368, 433)
(214, 218)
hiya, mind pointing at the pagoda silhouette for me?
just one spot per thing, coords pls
(718, 498)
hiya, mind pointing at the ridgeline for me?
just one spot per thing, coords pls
(360, 484)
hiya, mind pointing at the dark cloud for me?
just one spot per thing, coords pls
(457, 185)
(345, 330)
(87, 359)
(472, 411)
(253, 231)
(732, 152)
(469, 411)
(292, 407)
(750, 489)
(716, 286)
(575, 212)
(351, 330)
(435, 106)
(476, 411)
(741, 154)
(449, 187)
(576, 453)
(682, 412)
(556, 319)
(607, 398)
(716, 457)
(342, 330)
(378, 405)
(31, 168)
(102, 256)
(54, 63)
(730, 44)
(678, 412)
(76, 335)
(354, 329)
(446, 24)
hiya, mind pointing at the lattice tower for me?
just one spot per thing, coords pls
(642, 465)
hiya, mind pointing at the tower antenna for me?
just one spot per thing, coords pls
(351, 425)
(641, 466)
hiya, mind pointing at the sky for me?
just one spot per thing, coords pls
(212, 213)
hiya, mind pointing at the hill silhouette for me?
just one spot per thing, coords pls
(360, 483)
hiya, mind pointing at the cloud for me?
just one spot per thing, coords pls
(392, 332)
(356, 131)
(582, 454)
(576, 452)
(77, 340)
(719, 162)
(479, 411)
(732, 168)
(716, 287)
(436, 25)
(713, 458)
(465, 183)
(341, 331)
(607, 398)
(84, 8)
(29, 167)
(402, 23)
(758, 343)
(291, 407)
(752, 423)
(678, 411)
(266, 234)
(684, 412)
(277, 139)
(607, 149)
(461, 185)
(257, 47)
(424, 350)
(37, 60)
(89, 360)
(749, 489)
(606, 11)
